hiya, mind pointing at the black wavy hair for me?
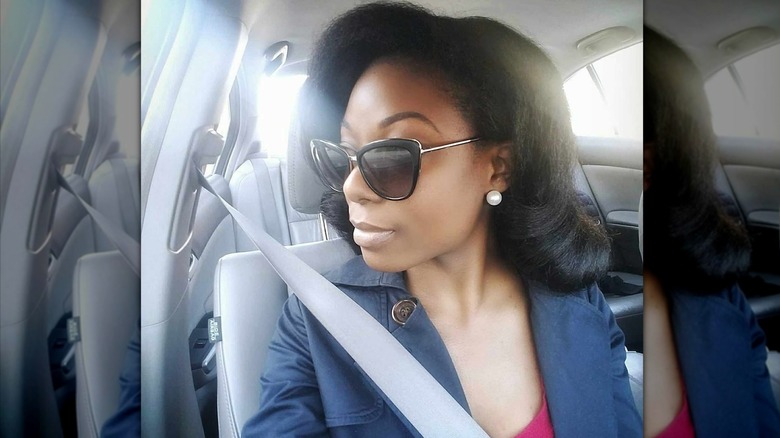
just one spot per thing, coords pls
(509, 90)
(690, 240)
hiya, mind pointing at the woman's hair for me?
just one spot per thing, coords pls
(689, 238)
(508, 90)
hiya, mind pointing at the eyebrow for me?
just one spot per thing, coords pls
(397, 118)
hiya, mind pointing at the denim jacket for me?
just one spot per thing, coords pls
(312, 387)
(722, 354)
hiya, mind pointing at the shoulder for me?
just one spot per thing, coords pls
(589, 297)
(723, 319)
(581, 305)
(727, 302)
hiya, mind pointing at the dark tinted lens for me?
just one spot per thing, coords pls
(389, 169)
(332, 163)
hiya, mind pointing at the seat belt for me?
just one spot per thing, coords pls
(127, 246)
(412, 389)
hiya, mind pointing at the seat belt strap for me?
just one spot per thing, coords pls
(127, 246)
(411, 388)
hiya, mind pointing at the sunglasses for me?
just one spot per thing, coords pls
(390, 167)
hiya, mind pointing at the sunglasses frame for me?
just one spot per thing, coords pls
(412, 145)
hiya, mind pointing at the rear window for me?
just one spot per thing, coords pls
(745, 96)
(605, 97)
(277, 96)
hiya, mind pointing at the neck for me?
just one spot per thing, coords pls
(462, 283)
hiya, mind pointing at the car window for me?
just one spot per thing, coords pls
(277, 96)
(605, 97)
(224, 120)
(745, 96)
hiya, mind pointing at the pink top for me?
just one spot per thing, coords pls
(681, 426)
(540, 426)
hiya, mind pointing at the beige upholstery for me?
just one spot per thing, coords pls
(106, 301)
(248, 298)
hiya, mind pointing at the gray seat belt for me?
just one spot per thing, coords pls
(127, 246)
(411, 388)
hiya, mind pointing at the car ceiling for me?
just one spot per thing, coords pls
(697, 28)
(557, 29)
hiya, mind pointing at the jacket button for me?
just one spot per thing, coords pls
(403, 309)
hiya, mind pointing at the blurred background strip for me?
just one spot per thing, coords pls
(70, 304)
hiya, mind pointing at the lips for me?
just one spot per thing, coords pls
(369, 236)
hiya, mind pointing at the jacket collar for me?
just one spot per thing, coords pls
(355, 272)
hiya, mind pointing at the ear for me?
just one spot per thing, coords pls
(500, 166)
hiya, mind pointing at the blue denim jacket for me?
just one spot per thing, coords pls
(722, 355)
(311, 387)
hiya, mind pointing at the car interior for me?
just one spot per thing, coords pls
(208, 301)
(209, 273)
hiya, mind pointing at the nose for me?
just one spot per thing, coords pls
(357, 190)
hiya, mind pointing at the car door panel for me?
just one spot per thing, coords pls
(752, 168)
(613, 169)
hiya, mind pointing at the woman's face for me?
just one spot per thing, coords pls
(448, 207)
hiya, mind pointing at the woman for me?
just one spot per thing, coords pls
(705, 355)
(475, 253)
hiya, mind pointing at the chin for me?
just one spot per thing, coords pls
(383, 262)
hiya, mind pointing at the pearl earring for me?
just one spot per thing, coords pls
(493, 197)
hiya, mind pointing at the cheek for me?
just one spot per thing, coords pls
(445, 207)
(443, 212)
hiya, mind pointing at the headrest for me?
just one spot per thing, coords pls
(305, 187)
